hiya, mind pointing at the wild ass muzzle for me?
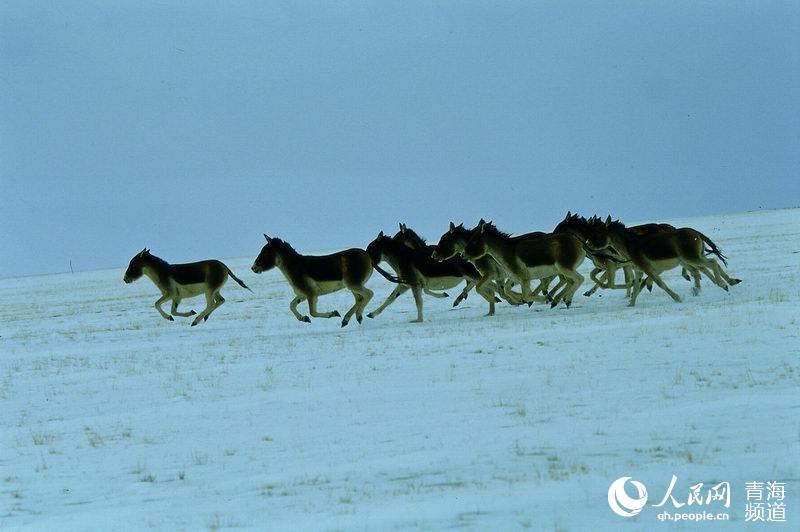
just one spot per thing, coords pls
(657, 252)
(180, 281)
(311, 276)
(526, 259)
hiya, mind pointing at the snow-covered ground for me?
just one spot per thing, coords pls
(113, 418)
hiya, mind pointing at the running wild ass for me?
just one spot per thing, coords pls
(654, 253)
(311, 276)
(180, 281)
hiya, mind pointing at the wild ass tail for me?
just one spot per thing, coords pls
(713, 248)
(389, 277)
(241, 283)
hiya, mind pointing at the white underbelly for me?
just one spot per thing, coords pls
(328, 287)
(442, 283)
(540, 272)
(664, 265)
(190, 290)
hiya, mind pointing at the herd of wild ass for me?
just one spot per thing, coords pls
(497, 265)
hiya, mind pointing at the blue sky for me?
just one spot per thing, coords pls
(194, 127)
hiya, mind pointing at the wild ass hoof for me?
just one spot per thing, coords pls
(371, 315)
(344, 323)
(695, 292)
(306, 319)
(418, 320)
(359, 319)
(335, 314)
(205, 319)
(169, 318)
(192, 313)
(735, 281)
(497, 299)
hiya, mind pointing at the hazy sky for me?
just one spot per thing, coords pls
(193, 127)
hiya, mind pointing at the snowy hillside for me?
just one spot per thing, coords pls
(113, 418)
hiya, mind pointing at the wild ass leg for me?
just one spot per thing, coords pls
(312, 309)
(293, 307)
(463, 295)
(218, 301)
(597, 282)
(717, 269)
(210, 306)
(362, 296)
(399, 289)
(714, 271)
(174, 310)
(627, 272)
(638, 284)
(562, 286)
(572, 280)
(696, 276)
(661, 284)
(503, 289)
(487, 294)
(417, 291)
(158, 304)
(544, 283)
(366, 297)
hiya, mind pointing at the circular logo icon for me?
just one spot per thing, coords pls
(623, 504)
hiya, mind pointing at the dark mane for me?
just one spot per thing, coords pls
(283, 246)
(616, 225)
(158, 262)
(492, 229)
(418, 240)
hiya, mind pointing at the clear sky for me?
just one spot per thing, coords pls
(194, 127)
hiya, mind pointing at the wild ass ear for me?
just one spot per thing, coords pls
(402, 228)
(452, 227)
(608, 220)
(380, 235)
(142, 252)
(568, 216)
(267, 238)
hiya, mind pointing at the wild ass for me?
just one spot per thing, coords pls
(179, 281)
(452, 243)
(526, 259)
(652, 254)
(312, 276)
(605, 265)
(410, 238)
(417, 270)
